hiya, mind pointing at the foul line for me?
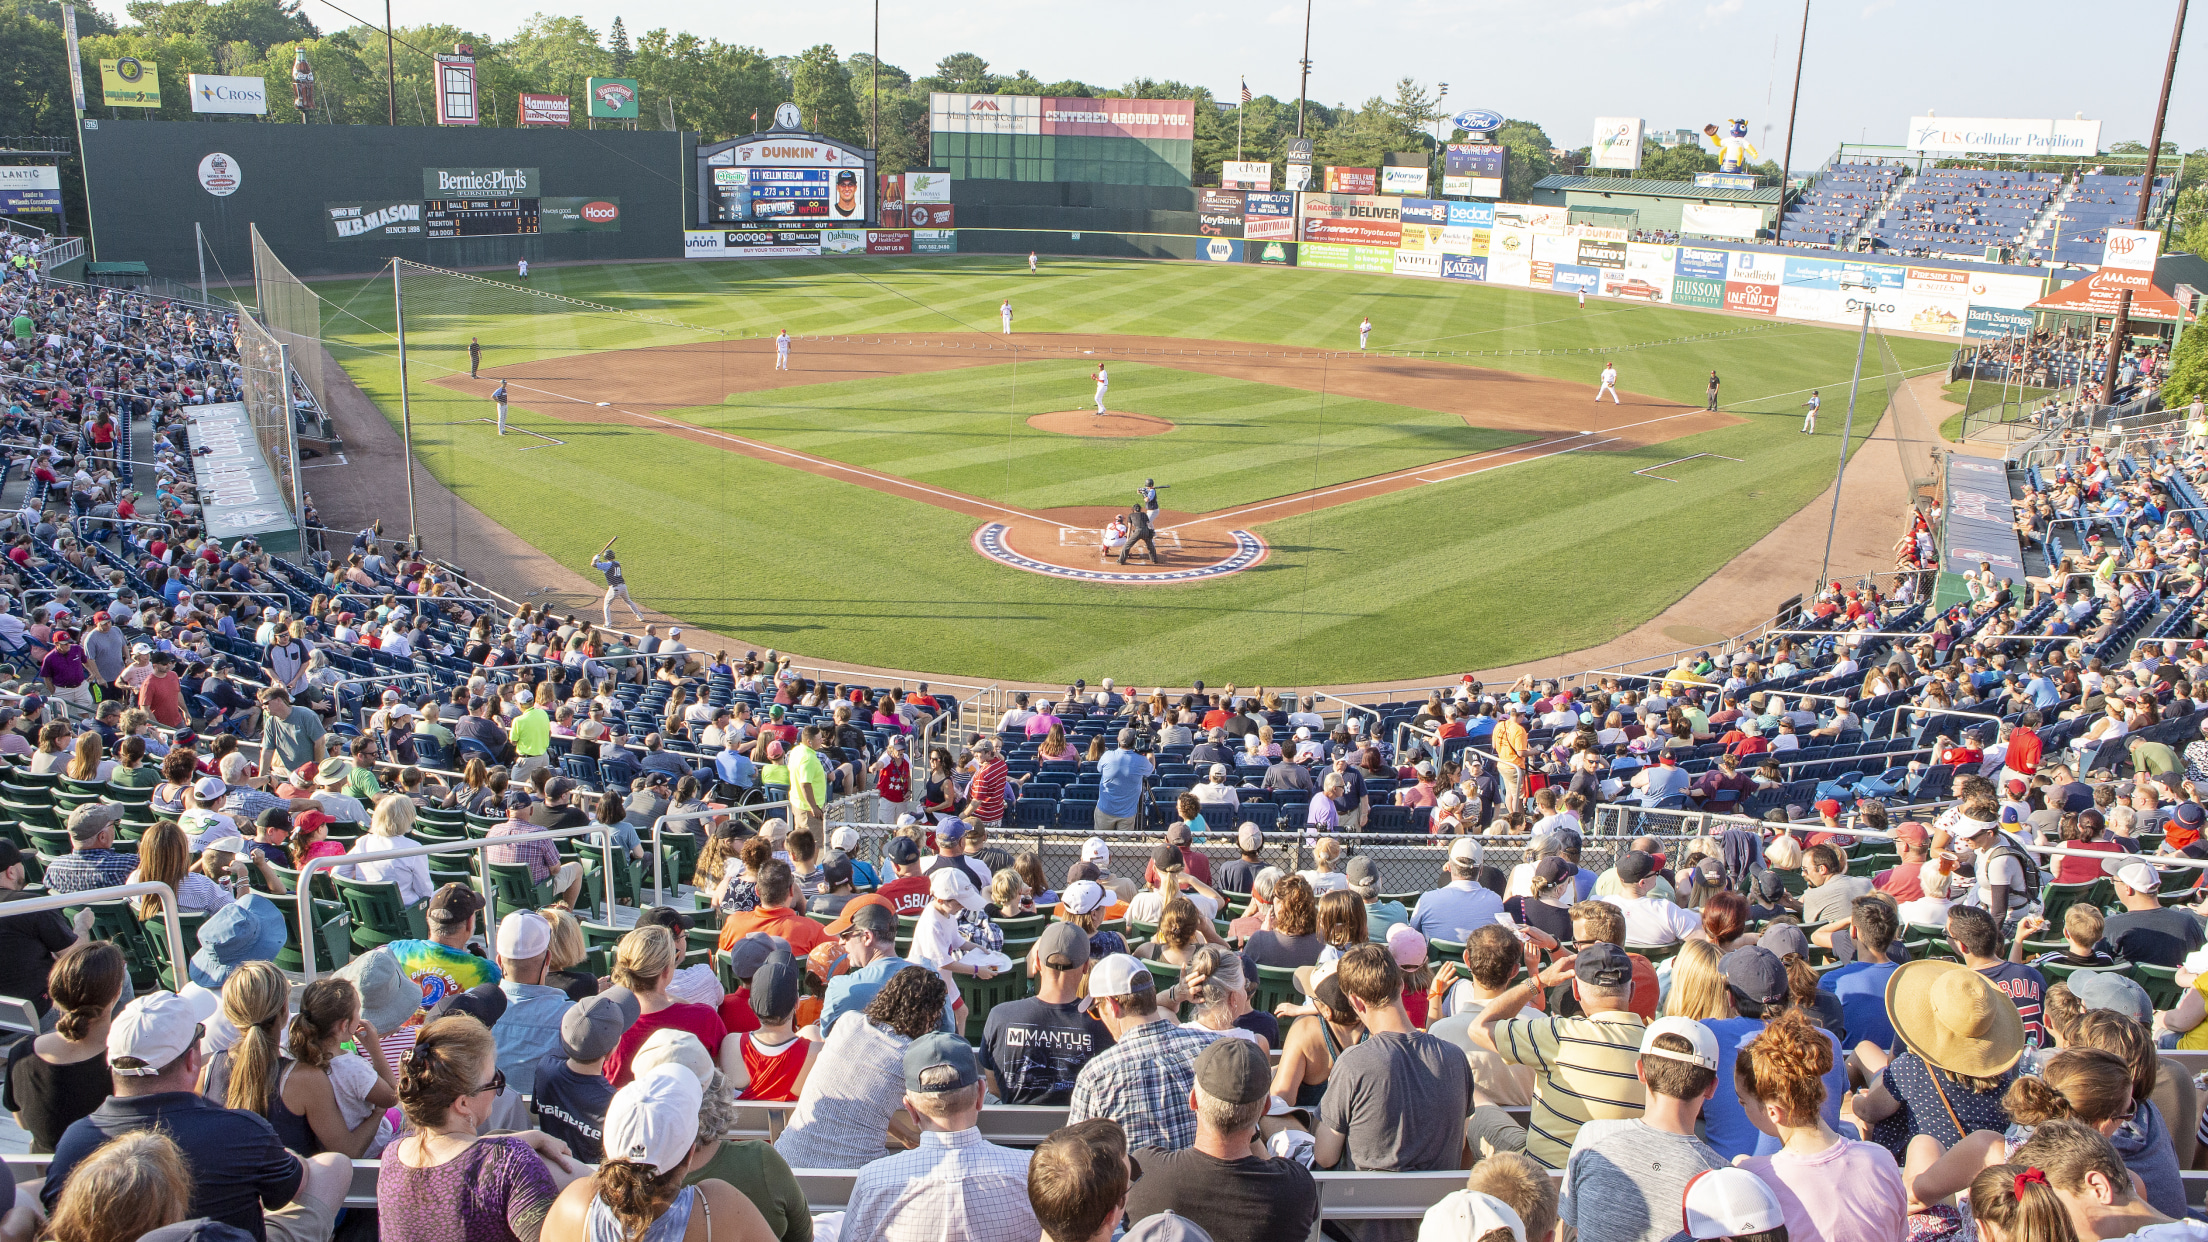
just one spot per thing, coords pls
(1644, 471)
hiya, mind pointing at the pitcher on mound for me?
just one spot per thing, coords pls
(1103, 380)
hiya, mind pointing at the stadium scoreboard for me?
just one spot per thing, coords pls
(788, 197)
(479, 217)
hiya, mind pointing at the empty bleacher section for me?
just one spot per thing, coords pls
(1837, 203)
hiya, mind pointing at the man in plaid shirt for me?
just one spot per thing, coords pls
(1143, 1080)
(542, 857)
(93, 861)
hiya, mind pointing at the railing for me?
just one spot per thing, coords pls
(659, 869)
(480, 845)
(68, 250)
(140, 888)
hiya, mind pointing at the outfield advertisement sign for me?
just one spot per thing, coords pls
(1471, 215)
(1461, 267)
(1268, 216)
(1424, 239)
(1351, 220)
(1219, 213)
(357, 220)
(1245, 175)
(1403, 181)
(1345, 258)
(2003, 135)
(29, 189)
(935, 241)
(1413, 263)
(1220, 250)
(1424, 211)
(1352, 180)
(750, 243)
(1988, 323)
(1573, 278)
(1279, 253)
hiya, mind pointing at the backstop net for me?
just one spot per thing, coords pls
(292, 314)
(273, 399)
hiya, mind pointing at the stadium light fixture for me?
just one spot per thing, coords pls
(1847, 426)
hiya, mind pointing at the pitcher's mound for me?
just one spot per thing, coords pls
(1112, 424)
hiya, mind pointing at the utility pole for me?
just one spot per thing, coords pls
(76, 92)
(2121, 329)
(1303, 84)
(406, 406)
(391, 81)
(1786, 161)
(874, 125)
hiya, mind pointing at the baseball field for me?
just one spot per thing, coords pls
(919, 490)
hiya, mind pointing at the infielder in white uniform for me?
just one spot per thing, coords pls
(782, 350)
(1031, 263)
(1103, 380)
(1006, 311)
(1609, 384)
(1364, 332)
(1809, 420)
(1583, 299)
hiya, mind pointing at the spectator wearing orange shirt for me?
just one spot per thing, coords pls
(776, 914)
(1509, 740)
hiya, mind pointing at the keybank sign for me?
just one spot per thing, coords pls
(480, 183)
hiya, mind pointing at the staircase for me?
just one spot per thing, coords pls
(2038, 235)
(1878, 213)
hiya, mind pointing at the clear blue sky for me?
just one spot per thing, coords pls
(1677, 63)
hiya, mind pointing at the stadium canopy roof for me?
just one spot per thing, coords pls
(1647, 187)
(2099, 293)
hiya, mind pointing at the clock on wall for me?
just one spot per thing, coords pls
(786, 116)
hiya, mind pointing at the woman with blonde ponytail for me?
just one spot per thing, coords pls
(1213, 985)
(62, 1075)
(639, 1195)
(247, 1075)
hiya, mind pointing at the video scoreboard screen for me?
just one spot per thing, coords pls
(789, 197)
(478, 217)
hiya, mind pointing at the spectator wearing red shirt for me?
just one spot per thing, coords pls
(1905, 882)
(1741, 743)
(646, 960)
(908, 893)
(987, 792)
(2084, 831)
(2025, 748)
(163, 693)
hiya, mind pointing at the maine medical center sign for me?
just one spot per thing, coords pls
(2003, 135)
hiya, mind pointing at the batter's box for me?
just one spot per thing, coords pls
(1088, 537)
(549, 442)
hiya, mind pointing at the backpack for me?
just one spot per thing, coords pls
(2007, 846)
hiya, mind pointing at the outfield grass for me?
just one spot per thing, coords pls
(1974, 398)
(1499, 567)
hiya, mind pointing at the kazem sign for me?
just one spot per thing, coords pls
(1477, 121)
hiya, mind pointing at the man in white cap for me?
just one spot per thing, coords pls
(955, 1183)
(1094, 850)
(1469, 1216)
(530, 1027)
(237, 1163)
(2148, 932)
(653, 1122)
(1734, 1204)
(1452, 911)
(1623, 1177)
(1142, 1081)
(1218, 791)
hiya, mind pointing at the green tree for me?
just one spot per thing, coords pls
(961, 71)
(1532, 157)
(555, 55)
(822, 88)
(2188, 368)
(617, 43)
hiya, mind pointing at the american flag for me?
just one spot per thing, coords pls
(1245, 90)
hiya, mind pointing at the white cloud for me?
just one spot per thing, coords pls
(1612, 15)
(1721, 9)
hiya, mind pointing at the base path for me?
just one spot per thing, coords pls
(637, 386)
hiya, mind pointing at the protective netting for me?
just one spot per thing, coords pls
(292, 313)
(272, 403)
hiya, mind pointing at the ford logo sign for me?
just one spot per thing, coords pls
(1477, 121)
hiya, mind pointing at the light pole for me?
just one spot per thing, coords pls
(2120, 330)
(391, 80)
(1847, 427)
(1303, 83)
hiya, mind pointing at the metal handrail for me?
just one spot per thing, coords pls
(478, 844)
(659, 871)
(170, 908)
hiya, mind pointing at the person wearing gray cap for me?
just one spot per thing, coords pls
(1228, 1185)
(955, 1183)
(571, 1091)
(1033, 1048)
(1119, 800)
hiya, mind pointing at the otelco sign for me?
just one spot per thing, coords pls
(480, 183)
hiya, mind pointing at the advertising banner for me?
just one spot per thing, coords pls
(1528, 216)
(1299, 164)
(1572, 278)
(1461, 267)
(612, 99)
(2003, 135)
(1698, 291)
(926, 216)
(1414, 263)
(1352, 180)
(232, 465)
(935, 241)
(1219, 213)
(1751, 267)
(456, 89)
(1423, 238)
(350, 220)
(1220, 250)
(1510, 242)
(1475, 166)
(879, 241)
(545, 110)
(1278, 253)
(1935, 300)
(29, 189)
(2004, 291)
(1509, 269)
(1344, 258)
(1750, 298)
(1725, 181)
(1603, 254)
(1540, 274)
(749, 244)
(1472, 215)
(1714, 220)
(1981, 524)
(2127, 258)
(954, 113)
(1245, 175)
(1256, 203)
(1988, 323)
(128, 82)
(927, 187)
(578, 215)
(1551, 247)
(1269, 228)
(787, 152)
(1353, 232)
(1703, 264)
(1617, 142)
(481, 183)
(228, 96)
(842, 241)
(1646, 277)
(1424, 211)
(1813, 273)
(1465, 241)
(1402, 180)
